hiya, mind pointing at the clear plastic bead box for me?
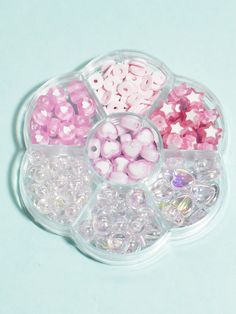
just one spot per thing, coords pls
(126, 220)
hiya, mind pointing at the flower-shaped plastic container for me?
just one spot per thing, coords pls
(123, 157)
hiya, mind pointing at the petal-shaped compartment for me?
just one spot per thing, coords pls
(120, 226)
(55, 185)
(189, 190)
(189, 117)
(127, 81)
(61, 112)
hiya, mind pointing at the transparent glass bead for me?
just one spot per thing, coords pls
(136, 198)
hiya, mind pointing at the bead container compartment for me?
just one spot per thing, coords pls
(95, 168)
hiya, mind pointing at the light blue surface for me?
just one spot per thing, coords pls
(40, 272)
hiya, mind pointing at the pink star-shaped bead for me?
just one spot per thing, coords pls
(194, 96)
(176, 128)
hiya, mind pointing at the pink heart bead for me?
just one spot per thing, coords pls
(139, 169)
(64, 111)
(131, 123)
(120, 130)
(120, 164)
(86, 107)
(119, 177)
(131, 149)
(145, 136)
(41, 115)
(103, 167)
(107, 130)
(125, 138)
(94, 148)
(53, 127)
(150, 154)
(40, 137)
(110, 149)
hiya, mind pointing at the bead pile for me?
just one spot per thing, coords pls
(185, 122)
(124, 150)
(58, 186)
(185, 190)
(128, 86)
(120, 221)
(62, 116)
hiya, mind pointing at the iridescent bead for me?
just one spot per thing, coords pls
(208, 175)
(101, 224)
(204, 194)
(162, 189)
(183, 204)
(181, 178)
(85, 229)
(136, 198)
(117, 242)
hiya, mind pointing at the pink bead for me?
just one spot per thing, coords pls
(40, 137)
(67, 132)
(107, 131)
(145, 136)
(131, 123)
(146, 82)
(117, 106)
(110, 149)
(126, 89)
(96, 80)
(158, 79)
(109, 84)
(57, 95)
(55, 141)
(94, 148)
(138, 68)
(150, 154)
(53, 127)
(86, 107)
(34, 126)
(64, 111)
(125, 138)
(103, 167)
(131, 149)
(120, 130)
(45, 102)
(82, 131)
(75, 86)
(139, 169)
(41, 115)
(120, 164)
(119, 177)
(120, 70)
(107, 65)
(81, 120)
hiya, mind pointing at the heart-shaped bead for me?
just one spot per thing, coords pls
(204, 194)
(181, 178)
(145, 136)
(131, 149)
(139, 169)
(107, 131)
(110, 149)
(103, 167)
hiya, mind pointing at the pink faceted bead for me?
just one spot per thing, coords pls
(41, 115)
(82, 131)
(94, 148)
(75, 86)
(86, 107)
(57, 95)
(81, 120)
(45, 102)
(40, 137)
(64, 111)
(67, 132)
(53, 127)
(34, 126)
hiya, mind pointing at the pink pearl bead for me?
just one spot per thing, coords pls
(64, 111)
